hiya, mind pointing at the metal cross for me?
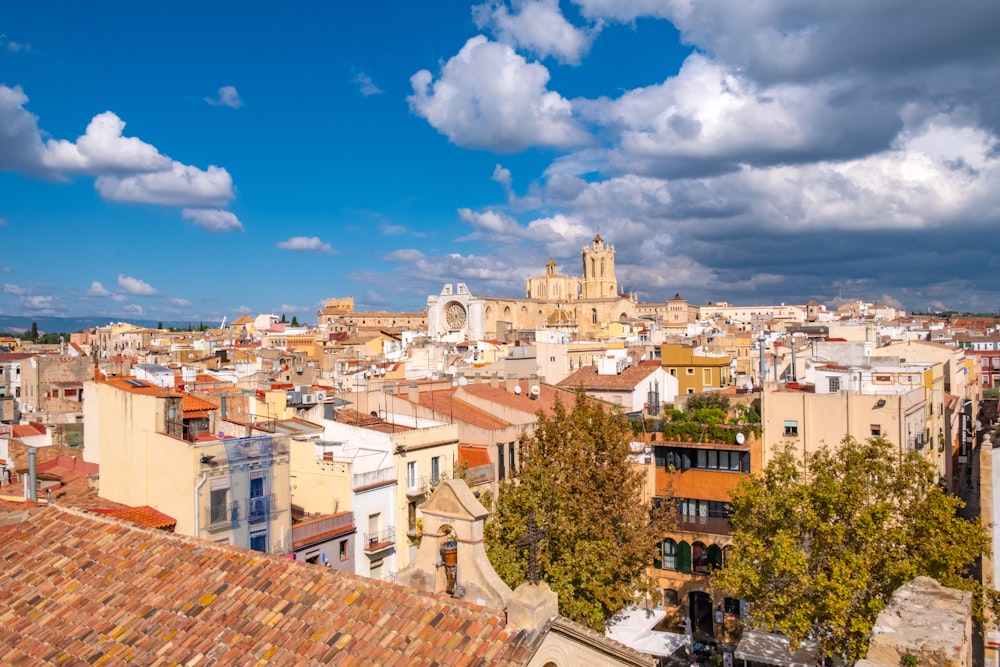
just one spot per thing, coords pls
(531, 540)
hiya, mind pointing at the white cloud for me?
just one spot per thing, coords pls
(103, 149)
(539, 27)
(38, 302)
(15, 289)
(226, 97)
(502, 176)
(305, 244)
(214, 220)
(127, 168)
(180, 303)
(365, 85)
(6, 269)
(490, 97)
(97, 289)
(135, 286)
(181, 185)
(133, 309)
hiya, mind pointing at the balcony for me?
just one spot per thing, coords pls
(703, 524)
(417, 487)
(380, 541)
(222, 517)
(260, 508)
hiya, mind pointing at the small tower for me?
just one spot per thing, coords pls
(599, 270)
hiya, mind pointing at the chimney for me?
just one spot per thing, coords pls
(32, 489)
(495, 380)
(413, 393)
(511, 382)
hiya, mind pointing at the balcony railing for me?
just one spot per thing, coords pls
(703, 524)
(417, 487)
(224, 517)
(383, 539)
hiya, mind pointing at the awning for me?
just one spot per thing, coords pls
(771, 649)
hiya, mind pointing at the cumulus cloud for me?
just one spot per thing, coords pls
(214, 220)
(6, 269)
(488, 96)
(15, 289)
(97, 289)
(227, 96)
(180, 303)
(538, 27)
(135, 286)
(103, 149)
(365, 85)
(127, 169)
(305, 244)
(133, 309)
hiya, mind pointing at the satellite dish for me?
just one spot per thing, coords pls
(740, 438)
(462, 381)
(517, 390)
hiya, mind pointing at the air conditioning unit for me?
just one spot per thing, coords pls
(258, 507)
(290, 397)
(320, 396)
(298, 370)
(309, 399)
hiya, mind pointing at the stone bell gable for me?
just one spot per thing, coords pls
(453, 518)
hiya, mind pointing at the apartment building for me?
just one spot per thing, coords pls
(696, 370)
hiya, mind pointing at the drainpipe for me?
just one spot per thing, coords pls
(197, 495)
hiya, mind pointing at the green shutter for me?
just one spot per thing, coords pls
(658, 558)
(684, 557)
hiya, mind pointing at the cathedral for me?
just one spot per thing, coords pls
(580, 307)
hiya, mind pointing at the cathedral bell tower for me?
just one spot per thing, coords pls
(599, 271)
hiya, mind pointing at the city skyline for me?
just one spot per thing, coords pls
(190, 162)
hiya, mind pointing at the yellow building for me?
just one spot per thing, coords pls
(696, 371)
(161, 448)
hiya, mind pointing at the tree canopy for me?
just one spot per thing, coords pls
(602, 532)
(819, 546)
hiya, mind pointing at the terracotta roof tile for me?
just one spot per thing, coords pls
(628, 379)
(86, 589)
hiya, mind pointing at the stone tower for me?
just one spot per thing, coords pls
(599, 270)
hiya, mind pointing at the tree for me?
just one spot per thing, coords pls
(576, 478)
(820, 546)
(283, 320)
(295, 321)
(159, 325)
(34, 331)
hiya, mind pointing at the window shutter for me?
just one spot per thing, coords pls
(684, 557)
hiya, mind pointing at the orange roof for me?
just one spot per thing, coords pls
(145, 516)
(178, 600)
(473, 455)
(192, 403)
(27, 430)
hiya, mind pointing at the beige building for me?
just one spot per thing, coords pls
(582, 308)
(160, 448)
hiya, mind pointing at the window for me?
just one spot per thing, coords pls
(258, 542)
(373, 527)
(669, 555)
(552, 360)
(501, 470)
(876, 430)
(670, 597)
(511, 461)
(435, 470)
(699, 558)
(411, 474)
(343, 550)
(690, 371)
(219, 498)
(731, 606)
(706, 376)
(684, 557)
(833, 384)
(791, 427)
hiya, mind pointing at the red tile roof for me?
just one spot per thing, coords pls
(84, 589)
(144, 516)
(627, 380)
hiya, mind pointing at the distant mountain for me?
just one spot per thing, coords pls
(17, 323)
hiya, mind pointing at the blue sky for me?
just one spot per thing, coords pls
(198, 160)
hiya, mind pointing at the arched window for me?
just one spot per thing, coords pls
(714, 556)
(684, 557)
(593, 268)
(593, 316)
(699, 558)
(602, 268)
(669, 554)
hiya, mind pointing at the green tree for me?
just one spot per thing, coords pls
(159, 325)
(601, 534)
(34, 331)
(295, 321)
(708, 400)
(283, 320)
(820, 546)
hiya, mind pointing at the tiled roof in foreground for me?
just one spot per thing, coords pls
(83, 589)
